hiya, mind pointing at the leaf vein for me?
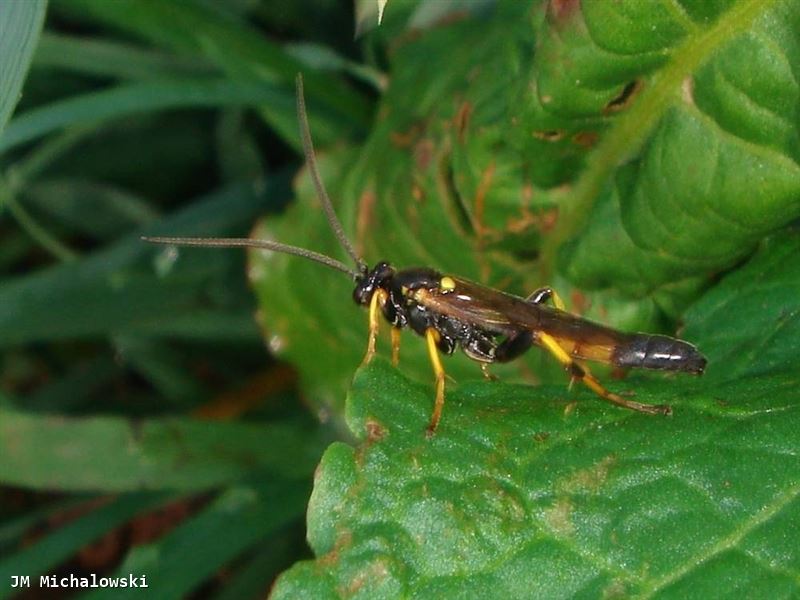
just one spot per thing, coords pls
(730, 541)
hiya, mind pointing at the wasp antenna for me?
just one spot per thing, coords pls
(250, 243)
(308, 149)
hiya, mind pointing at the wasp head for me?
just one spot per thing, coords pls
(372, 280)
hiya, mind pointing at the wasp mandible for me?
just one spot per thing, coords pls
(488, 325)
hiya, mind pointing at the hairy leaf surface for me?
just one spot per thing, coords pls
(523, 494)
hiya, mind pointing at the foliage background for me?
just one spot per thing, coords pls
(641, 157)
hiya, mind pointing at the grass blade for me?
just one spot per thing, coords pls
(19, 32)
(113, 454)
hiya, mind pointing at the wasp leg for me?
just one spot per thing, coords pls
(486, 373)
(395, 346)
(543, 295)
(481, 348)
(514, 346)
(375, 304)
(430, 337)
(578, 372)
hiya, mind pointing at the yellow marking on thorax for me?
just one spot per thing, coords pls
(447, 284)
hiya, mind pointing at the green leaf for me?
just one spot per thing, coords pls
(710, 147)
(239, 49)
(46, 554)
(88, 207)
(118, 454)
(549, 118)
(74, 390)
(517, 497)
(137, 98)
(119, 289)
(183, 559)
(103, 58)
(19, 31)
(751, 321)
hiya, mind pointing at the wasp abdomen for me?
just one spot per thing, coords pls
(658, 352)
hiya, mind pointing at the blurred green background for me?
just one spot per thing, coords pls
(145, 425)
(162, 412)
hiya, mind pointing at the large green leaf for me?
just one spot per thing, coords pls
(704, 163)
(111, 59)
(20, 27)
(236, 47)
(547, 118)
(137, 98)
(121, 290)
(117, 454)
(518, 497)
(752, 320)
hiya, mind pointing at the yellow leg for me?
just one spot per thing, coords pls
(557, 301)
(579, 372)
(430, 336)
(395, 346)
(375, 304)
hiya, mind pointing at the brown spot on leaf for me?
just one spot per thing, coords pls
(585, 139)
(616, 589)
(375, 431)
(423, 153)
(343, 539)
(558, 518)
(687, 91)
(462, 120)
(364, 218)
(624, 99)
(549, 135)
(543, 220)
(407, 138)
(413, 214)
(562, 10)
(417, 192)
(480, 199)
(579, 302)
(589, 480)
(374, 573)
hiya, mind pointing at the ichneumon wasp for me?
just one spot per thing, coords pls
(487, 324)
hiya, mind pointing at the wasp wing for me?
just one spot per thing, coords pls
(499, 313)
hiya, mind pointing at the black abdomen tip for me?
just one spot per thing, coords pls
(659, 352)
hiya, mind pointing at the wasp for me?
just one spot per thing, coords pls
(488, 325)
